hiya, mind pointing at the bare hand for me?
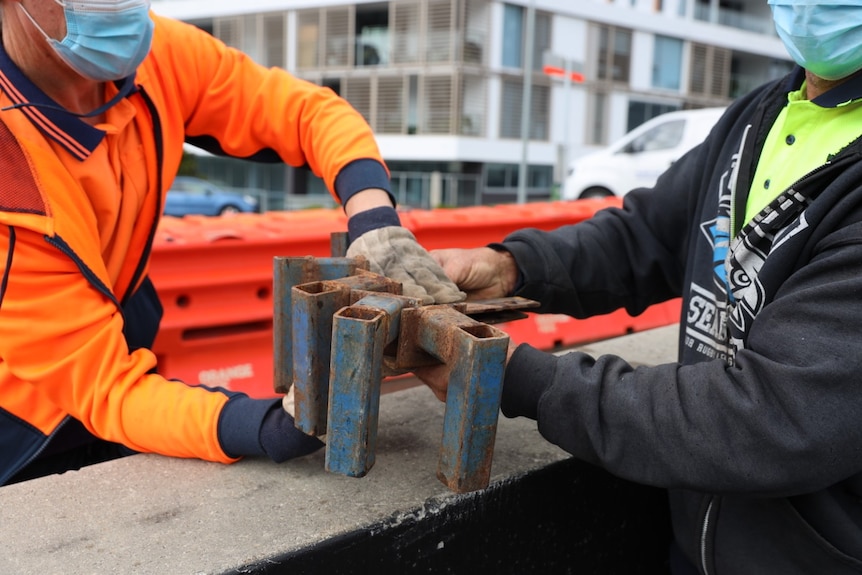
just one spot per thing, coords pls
(482, 273)
(436, 377)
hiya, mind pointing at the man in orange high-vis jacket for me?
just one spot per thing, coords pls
(96, 100)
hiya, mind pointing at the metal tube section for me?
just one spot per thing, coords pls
(314, 305)
(338, 244)
(359, 335)
(287, 273)
(477, 355)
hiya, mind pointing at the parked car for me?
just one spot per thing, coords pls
(189, 195)
(638, 158)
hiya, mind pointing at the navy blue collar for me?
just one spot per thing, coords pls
(849, 90)
(62, 126)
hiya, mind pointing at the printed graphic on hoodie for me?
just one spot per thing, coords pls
(719, 316)
(782, 219)
(706, 316)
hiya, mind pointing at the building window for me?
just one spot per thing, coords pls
(510, 114)
(357, 91)
(390, 105)
(324, 38)
(388, 33)
(412, 104)
(229, 31)
(308, 39)
(504, 177)
(513, 26)
(333, 84)
(476, 23)
(501, 176)
(667, 62)
(640, 112)
(406, 19)
(541, 39)
(540, 177)
(439, 45)
(273, 38)
(473, 105)
(710, 71)
(427, 104)
(437, 109)
(372, 34)
(514, 33)
(337, 44)
(540, 112)
(613, 54)
(205, 25)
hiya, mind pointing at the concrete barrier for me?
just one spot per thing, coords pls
(543, 513)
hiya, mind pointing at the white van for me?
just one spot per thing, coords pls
(638, 158)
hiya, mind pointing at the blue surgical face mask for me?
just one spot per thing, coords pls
(105, 39)
(823, 37)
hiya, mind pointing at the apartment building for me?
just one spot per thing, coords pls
(446, 84)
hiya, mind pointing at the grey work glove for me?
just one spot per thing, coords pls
(393, 251)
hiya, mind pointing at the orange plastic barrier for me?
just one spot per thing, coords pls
(553, 331)
(214, 276)
(480, 225)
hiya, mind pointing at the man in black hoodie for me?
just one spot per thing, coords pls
(757, 431)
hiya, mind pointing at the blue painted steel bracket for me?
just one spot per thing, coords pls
(314, 306)
(287, 273)
(343, 329)
(360, 334)
(476, 356)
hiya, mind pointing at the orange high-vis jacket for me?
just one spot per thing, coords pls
(72, 256)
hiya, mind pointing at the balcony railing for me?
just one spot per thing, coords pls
(734, 19)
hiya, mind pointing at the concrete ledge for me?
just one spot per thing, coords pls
(151, 514)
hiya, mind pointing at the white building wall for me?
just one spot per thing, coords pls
(640, 74)
(291, 32)
(494, 61)
(569, 40)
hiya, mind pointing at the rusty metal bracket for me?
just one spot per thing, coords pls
(344, 328)
(476, 356)
(289, 272)
(360, 334)
(314, 305)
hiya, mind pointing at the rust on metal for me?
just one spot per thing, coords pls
(499, 310)
(348, 328)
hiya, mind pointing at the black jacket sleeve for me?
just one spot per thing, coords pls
(783, 420)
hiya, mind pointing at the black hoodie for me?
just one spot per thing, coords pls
(757, 431)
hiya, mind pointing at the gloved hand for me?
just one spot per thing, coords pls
(281, 440)
(393, 251)
(252, 427)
